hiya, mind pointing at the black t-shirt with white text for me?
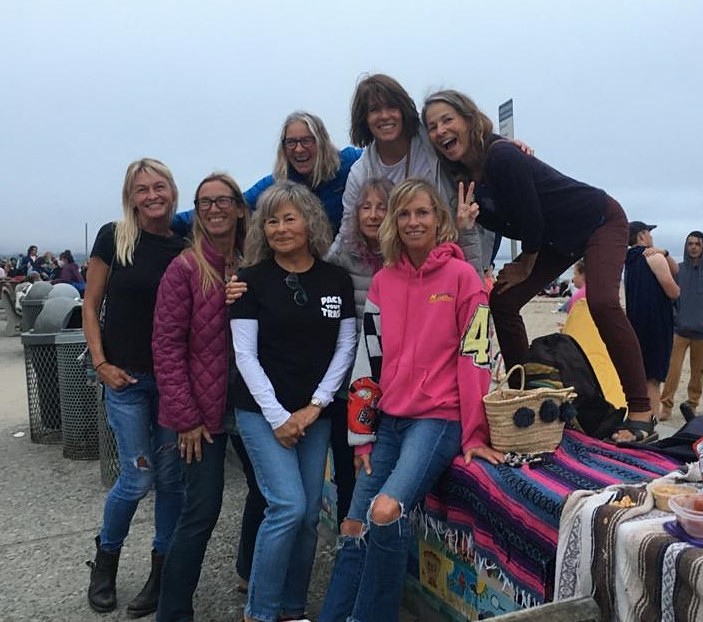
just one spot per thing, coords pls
(296, 342)
(131, 296)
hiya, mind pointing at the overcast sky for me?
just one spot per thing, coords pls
(606, 91)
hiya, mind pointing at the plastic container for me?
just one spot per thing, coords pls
(689, 513)
(663, 492)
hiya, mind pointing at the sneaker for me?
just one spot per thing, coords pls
(688, 413)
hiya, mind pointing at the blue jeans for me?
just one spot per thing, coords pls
(204, 483)
(291, 481)
(369, 573)
(252, 515)
(149, 458)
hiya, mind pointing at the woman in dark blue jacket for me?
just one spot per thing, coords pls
(307, 156)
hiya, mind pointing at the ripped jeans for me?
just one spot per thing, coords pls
(149, 457)
(369, 573)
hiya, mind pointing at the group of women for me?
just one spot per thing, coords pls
(404, 272)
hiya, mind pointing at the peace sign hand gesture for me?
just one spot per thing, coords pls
(466, 207)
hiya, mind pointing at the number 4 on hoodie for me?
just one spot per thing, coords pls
(476, 341)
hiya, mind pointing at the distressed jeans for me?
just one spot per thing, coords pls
(149, 457)
(407, 459)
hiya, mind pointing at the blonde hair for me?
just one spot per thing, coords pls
(327, 157)
(209, 276)
(127, 230)
(318, 225)
(388, 235)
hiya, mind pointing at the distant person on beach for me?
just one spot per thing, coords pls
(423, 308)
(579, 281)
(47, 266)
(128, 259)
(69, 272)
(650, 288)
(28, 263)
(307, 156)
(195, 372)
(688, 330)
(558, 220)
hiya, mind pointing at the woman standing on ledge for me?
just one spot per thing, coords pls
(558, 220)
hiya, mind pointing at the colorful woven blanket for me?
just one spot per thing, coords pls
(512, 514)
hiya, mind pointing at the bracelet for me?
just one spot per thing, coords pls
(99, 365)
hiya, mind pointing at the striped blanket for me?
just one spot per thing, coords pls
(512, 514)
(624, 557)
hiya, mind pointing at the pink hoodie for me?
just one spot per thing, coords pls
(435, 341)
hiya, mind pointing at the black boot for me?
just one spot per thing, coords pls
(102, 596)
(147, 600)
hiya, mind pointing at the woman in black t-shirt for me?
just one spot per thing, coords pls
(127, 262)
(294, 332)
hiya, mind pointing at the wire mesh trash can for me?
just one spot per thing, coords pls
(79, 400)
(33, 303)
(42, 388)
(42, 370)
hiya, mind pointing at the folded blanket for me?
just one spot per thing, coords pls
(512, 515)
(624, 558)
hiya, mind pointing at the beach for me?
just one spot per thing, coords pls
(51, 511)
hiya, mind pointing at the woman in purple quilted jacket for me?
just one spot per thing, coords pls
(194, 369)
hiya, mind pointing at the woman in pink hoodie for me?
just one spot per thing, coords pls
(423, 366)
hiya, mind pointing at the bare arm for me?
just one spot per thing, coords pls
(673, 266)
(96, 282)
(113, 376)
(661, 269)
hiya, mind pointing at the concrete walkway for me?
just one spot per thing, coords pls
(50, 511)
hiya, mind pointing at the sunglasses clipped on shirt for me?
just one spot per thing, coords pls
(300, 296)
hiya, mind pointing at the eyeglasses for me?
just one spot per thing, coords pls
(292, 143)
(205, 203)
(300, 295)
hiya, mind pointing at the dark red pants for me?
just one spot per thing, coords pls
(605, 258)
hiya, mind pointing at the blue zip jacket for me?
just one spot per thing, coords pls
(329, 192)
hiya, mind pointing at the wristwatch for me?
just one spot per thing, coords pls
(316, 401)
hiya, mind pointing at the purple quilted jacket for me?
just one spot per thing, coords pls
(190, 346)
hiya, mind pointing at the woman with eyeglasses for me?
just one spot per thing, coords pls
(424, 363)
(128, 259)
(294, 333)
(195, 372)
(306, 155)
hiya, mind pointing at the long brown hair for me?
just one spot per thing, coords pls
(380, 89)
(480, 131)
